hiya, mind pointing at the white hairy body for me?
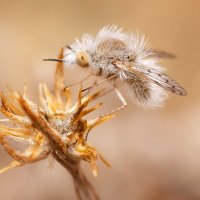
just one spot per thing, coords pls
(126, 57)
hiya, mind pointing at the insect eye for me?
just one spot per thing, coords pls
(131, 57)
(82, 59)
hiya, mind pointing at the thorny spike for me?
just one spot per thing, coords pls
(42, 100)
(13, 105)
(4, 120)
(14, 154)
(15, 132)
(50, 100)
(10, 166)
(67, 95)
(99, 120)
(80, 112)
(4, 104)
(59, 78)
(39, 122)
(16, 118)
(79, 96)
(89, 110)
(32, 154)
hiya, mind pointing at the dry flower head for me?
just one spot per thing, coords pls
(57, 127)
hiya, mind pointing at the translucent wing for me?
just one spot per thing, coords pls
(161, 54)
(156, 77)
(161, 79)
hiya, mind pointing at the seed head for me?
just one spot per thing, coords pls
(57, 127)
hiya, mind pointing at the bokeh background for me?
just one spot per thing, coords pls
(154, 154)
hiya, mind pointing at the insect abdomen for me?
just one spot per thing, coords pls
(145, 93)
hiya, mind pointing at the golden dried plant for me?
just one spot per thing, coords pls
(57, 127)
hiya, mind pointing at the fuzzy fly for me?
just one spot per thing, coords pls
(115, 55)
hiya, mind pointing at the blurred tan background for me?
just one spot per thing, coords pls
(154, 154)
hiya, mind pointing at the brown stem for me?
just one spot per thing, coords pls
(83, 188)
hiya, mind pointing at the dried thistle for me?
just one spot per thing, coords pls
(57, 127)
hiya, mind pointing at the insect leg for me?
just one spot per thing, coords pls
(78, 83)
(106, 92)
(101, 82)
(110, 113)
(124, 103)
(90, 88)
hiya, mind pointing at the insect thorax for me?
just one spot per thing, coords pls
(106, 52)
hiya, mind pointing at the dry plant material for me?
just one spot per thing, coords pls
(57, 127)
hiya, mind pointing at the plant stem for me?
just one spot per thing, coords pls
(83, 187)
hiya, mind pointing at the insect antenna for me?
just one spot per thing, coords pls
(53, 59)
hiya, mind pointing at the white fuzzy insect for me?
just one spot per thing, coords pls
(116, 55)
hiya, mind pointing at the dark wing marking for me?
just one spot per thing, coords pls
(162, 80)
(156, 77)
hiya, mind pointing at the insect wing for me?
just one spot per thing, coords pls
(161, 54)
(161, 79)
